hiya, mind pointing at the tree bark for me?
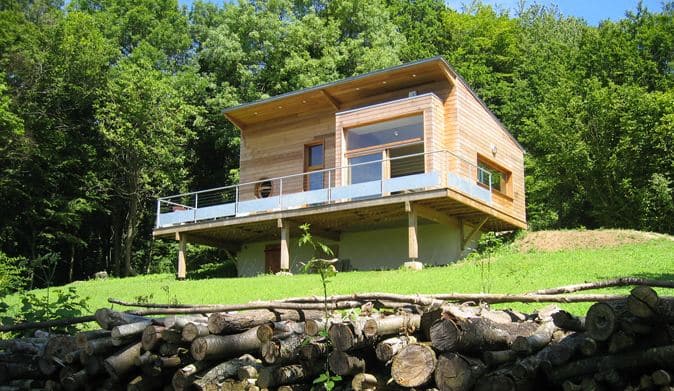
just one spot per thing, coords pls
(213, 347)
(621, 281)
(281, 351)
(392, 325)
(151, 337)
(344, 364)
(192, 331)
(536, 341)
(276, 376)
(121, 364)
(414, 365)
(476, 334)
(130, 329)
(645, 303)
(224, 323)
(108, 319)
(279, 330)
(567, 321)
(348, 335)
(184, 377)
(83, 337)
(455, 372)
(220, 372)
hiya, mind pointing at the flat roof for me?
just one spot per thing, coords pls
(329, 96)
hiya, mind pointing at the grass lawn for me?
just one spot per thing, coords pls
(510, 272)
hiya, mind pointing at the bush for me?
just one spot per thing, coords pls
(13, 274)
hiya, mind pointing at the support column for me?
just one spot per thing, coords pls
(285, 252)
(412, 241)
(182, 267)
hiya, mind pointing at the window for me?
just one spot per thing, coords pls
(263, 189)
(314, 160)
(407, 160)
(387, 132)
(490, 176)
(365, 168)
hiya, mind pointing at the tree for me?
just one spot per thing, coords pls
(145, 143)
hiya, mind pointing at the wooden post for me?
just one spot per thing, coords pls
(285, 252)
(412, 243)
(182, 268)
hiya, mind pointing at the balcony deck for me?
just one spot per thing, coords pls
(223, 217)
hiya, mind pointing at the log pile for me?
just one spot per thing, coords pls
(625, 344)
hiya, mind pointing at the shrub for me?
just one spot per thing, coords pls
(13, 274)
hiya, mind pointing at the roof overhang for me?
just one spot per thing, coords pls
(346, 93)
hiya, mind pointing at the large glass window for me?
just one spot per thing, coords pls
(365, 168)
(397, 130)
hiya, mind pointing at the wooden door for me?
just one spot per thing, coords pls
(272, 258)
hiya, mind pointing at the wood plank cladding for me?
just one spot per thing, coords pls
(478, 133)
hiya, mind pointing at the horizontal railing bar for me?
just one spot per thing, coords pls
(233, 187)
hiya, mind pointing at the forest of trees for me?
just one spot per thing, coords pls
(107, 104)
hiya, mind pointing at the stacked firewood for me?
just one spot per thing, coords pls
(621, 344)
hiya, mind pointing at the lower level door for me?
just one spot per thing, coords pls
(272, 258)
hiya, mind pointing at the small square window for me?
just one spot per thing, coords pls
(492, 177)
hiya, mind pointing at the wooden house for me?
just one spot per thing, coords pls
(404, 163)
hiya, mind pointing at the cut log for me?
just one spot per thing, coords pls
(343, 364)
(644, 302)
(192, 331)
(120, 365)
(414, 365)
(171, 336)
(279, 330)
(313, 352)
(312, 327)
(94, 365)
(107, 318)
(503, 380)
(151, 337)
(661, 378)
(75, 381)
(588, 347)
(495, 358)
(47, 366)
(603, 319)
(58, 346)
(129, 329)
(455, 372)
(536, 341)
(227, 323)
(276, 376)
(213, 347)
(348, 335)
(249, 371)
(661, 356)
(620, 341)
(100, 346)
(388, 348)
(476, 334)
(178, 322)
(392, 325)
(364, 381)
(567, 321)
(171, 349)
(184, 377)
(222, 371)
(281, 351)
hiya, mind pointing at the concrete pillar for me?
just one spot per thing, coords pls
(285, 252)
(182, 266)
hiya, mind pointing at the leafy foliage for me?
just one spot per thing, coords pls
(13, 274)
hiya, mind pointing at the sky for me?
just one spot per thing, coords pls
(593, 11)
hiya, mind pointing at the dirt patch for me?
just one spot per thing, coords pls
(575, 239)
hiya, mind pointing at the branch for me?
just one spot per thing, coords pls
(47, 323)
(621, 281)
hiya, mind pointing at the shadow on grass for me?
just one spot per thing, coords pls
(656, 276)
(226, 269)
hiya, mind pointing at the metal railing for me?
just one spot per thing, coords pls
(373, 179)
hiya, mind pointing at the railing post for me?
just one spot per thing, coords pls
(329, 187)
(236, 200)
(490, 183)
(196, 205)
(158, 212)
(280, 193)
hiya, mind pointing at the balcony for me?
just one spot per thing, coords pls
(355, 184)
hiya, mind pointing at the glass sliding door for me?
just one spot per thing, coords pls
(365, 168)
